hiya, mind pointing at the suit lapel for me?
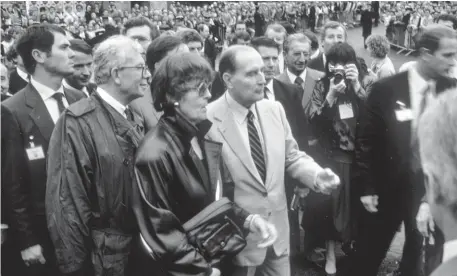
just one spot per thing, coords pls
(268, 134)
(308, 89)
(229, 130)
(212, 151)
(39, 113)
(403, 96)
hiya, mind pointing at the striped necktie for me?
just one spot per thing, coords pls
(256, 147)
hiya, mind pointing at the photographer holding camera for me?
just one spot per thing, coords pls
(332, 113)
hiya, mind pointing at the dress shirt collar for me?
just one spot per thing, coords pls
(269, 86)
(417, 82)
(68, 86)
(450, 250)
(293, 77)
(22, 74)
(112, 101)
(240, 112)
(44, 91)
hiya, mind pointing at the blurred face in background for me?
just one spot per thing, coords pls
(333, 36)
(82, 70)
(278, 37)
(297, 56)
(4, 79)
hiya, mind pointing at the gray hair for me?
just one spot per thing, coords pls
(438, 148)
(111, 53)
(295, 37)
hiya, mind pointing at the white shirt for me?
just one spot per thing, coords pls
(293, 77)
(450, 250)
(270, 92)
(68, 86)
(240, 114)
(22, 74)
(417, 85)
(112, 102)
(51, 103)
(281, 62)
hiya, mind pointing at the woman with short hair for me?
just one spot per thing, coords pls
(180, 172)
(379, 47)
(332, 112)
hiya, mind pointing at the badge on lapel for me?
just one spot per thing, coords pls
(403, 114)
(34, 152)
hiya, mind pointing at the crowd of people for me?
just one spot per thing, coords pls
(200, 140)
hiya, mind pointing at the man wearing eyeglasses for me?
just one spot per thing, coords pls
(90, 168)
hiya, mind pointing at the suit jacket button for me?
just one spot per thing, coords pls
(265, 194)
(222, 244)
(126, 162)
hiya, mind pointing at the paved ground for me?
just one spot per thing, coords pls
(394, 254)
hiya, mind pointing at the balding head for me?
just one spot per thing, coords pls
(241, 68)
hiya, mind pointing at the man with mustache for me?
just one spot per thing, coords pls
(79, 80)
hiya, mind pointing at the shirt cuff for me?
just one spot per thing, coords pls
(316, 188)
(248, 222)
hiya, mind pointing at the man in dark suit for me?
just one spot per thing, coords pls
(28, 119)
(209, 46)
(18, 78)
(332, 32)
(289, 95)
(438, 152)
(82, 65)
(387, 162)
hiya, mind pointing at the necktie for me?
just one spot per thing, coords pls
(59, 98)
(129, 115)
(299, 81)
(256, 147)
(265, 92)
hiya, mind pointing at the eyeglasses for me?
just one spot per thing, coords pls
(202, 88)
(144, 69)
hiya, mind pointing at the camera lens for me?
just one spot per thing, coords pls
(338, 77)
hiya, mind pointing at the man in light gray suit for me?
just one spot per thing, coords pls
(258, 150)
(297, 49)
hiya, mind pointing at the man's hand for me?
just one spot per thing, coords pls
(33, 255)
(265, 229)
(215, 272)
(327, 181)
(370, 202)
(424, 219)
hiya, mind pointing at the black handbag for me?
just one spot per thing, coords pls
(214, 234)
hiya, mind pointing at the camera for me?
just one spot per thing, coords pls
(339, 74)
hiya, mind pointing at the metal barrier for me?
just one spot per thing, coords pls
(402, 38)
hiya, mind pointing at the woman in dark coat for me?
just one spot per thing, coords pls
(179, 171)
(332, 113)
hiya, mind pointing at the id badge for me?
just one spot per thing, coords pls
(404, 115)
(346, 111)
(35, 153)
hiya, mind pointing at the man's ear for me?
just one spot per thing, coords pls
(227, 77)
(38, 55)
